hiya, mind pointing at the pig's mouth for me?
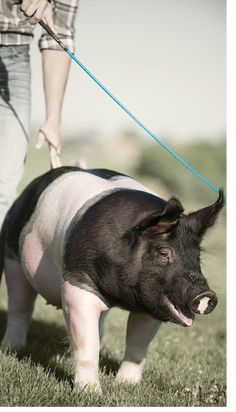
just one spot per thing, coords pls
(177, 315)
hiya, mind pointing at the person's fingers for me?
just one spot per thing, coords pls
(40, 140)
(51, 138)
(25, 4)
(55, 159)
(32, 7)
(40, 12)
(53, 146)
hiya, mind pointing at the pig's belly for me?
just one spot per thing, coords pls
(40, 271)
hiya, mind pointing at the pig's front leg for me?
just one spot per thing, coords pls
(82, 311)
(141, 329)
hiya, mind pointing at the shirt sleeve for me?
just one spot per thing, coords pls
(64, 13)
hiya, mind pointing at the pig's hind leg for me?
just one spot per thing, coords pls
(141, 329)
(21, 297)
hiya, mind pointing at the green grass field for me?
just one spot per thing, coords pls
(185, 366)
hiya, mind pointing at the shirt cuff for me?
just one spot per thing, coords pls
(47, 42)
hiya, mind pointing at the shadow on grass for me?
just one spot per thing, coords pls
(108, 364)
(48, 344)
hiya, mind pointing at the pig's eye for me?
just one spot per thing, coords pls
(164, 252)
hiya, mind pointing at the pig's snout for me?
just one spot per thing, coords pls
(204, 303)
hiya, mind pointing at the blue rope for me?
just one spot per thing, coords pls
(167, 148)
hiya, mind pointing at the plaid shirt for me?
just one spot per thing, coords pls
(16, 29)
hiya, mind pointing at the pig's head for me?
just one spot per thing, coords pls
(170, 285)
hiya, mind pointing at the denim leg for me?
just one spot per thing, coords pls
(15, 99)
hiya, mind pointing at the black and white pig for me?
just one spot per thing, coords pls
(87, 240)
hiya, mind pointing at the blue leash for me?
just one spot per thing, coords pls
(169, 150)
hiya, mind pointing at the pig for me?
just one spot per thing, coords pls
(88, 240)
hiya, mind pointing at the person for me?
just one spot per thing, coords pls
(17, 22)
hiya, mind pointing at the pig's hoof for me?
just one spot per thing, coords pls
(133, 380)
(130, 372)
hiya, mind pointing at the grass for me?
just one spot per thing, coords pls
(185, 366)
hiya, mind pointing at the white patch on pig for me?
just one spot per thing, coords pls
(42, 239)
(129, 183)
(203, 305)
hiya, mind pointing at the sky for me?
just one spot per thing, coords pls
(164, 59)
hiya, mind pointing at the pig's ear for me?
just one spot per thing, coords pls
(162, 222)
(202, 219)
(165, 220)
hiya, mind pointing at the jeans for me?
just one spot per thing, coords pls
(15, 102)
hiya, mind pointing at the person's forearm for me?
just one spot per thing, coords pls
(56, 65)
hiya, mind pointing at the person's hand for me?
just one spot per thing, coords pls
(38, 10)
(50, 133)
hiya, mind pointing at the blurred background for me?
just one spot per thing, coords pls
(165, 59)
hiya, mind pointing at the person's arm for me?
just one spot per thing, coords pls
(60, 17)
(56, 64)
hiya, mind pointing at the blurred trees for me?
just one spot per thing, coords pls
(207, 158)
